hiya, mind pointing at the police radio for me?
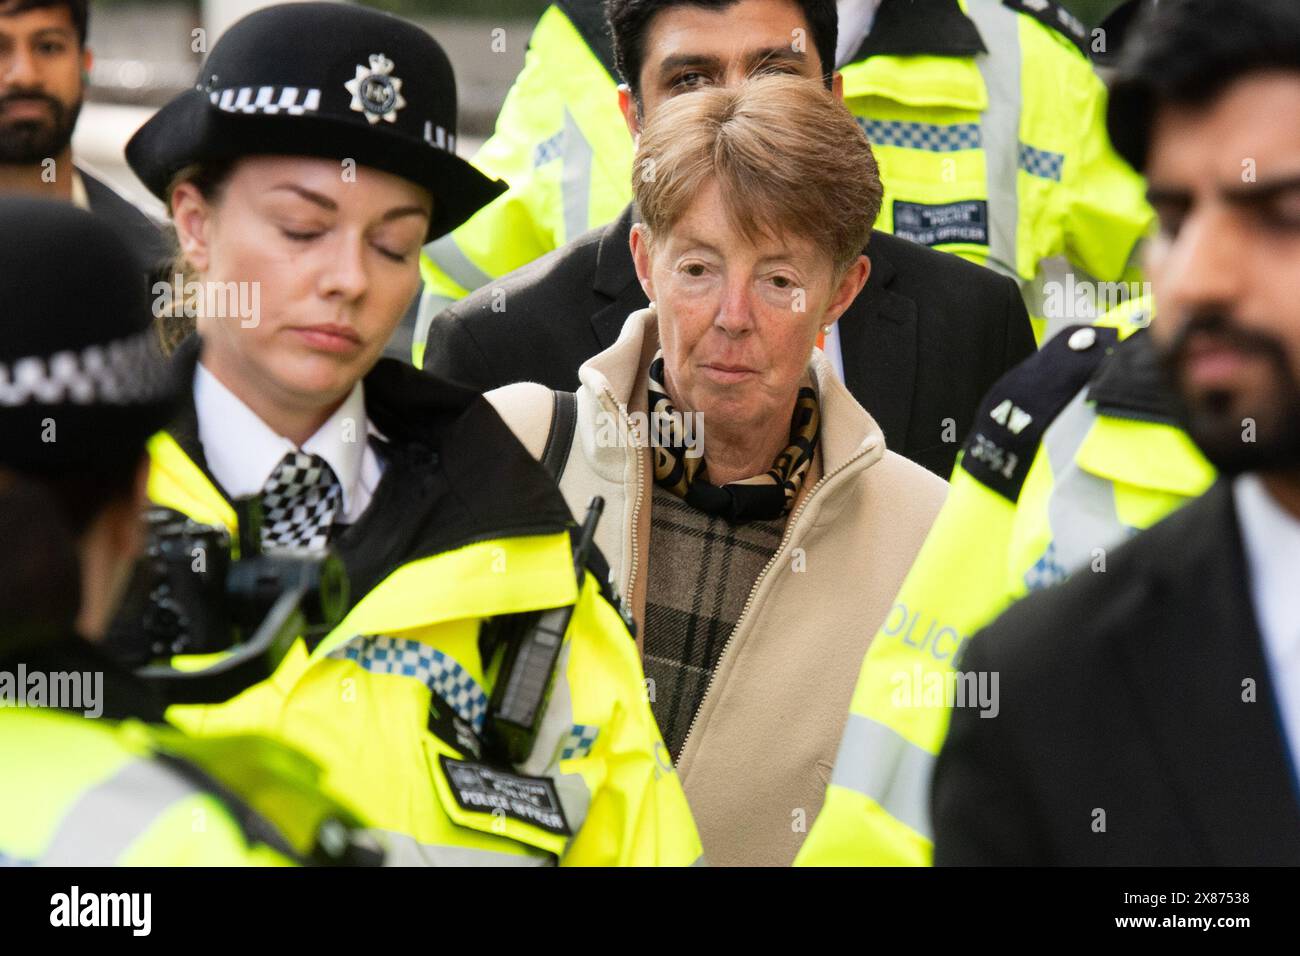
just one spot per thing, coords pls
(532, 648)
(188, 595)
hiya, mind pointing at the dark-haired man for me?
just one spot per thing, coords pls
(986, 117)
(44, 66)
(923, 341)
(1150, 714)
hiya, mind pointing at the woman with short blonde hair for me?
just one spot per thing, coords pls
(758, 526)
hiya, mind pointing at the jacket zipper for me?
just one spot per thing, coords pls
(636, 513)
(744, 611)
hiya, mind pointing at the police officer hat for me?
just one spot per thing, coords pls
(330, 80)
(83, 383)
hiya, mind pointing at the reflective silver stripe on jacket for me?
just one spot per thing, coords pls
(549, 749)
(575, 180)
(880, 763)
(108, 818)
(404, 850)
(1078, 297)
(1000, 127)
(448, 257)
(1081, 509)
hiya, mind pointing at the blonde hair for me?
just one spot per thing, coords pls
(175, 324)
(786, 154)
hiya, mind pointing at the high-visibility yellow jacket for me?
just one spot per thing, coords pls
(82, 792)
(987, 122)
(562, 147)
(1072, 452)
(392, 703)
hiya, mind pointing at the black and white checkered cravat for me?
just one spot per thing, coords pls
(299, 501)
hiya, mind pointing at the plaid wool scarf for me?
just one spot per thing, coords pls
(761, 498)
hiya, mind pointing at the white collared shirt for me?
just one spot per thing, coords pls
(243, 451)
(1271, 536)
(80, 198)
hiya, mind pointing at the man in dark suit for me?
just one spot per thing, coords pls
(925, 339)
(148, 240)
(42, 87)
(1150, 714)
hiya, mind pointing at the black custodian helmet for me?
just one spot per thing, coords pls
(82, 381)
(328, 80)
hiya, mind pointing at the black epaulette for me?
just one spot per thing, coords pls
(1131, 385)
(1054, 16)
(588, 18)
(1017, 410)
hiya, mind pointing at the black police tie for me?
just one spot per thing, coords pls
(299, 502)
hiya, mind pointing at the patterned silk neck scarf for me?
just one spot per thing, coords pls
(761, 498)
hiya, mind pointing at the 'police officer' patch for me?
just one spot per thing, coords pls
(479, 788)
(965, 221)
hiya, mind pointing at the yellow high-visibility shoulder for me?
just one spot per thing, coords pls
(918, 81)
(176, 482)
(1146, 455)
(500, 576)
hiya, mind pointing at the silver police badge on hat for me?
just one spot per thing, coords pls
(375, 92)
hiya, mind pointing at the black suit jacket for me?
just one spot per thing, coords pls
(925, 339)
(1122, 692)
(149, 241)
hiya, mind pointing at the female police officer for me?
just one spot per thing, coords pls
(303, 175)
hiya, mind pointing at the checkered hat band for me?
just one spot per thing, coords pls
(299, 502)
(128, 371)
(290, 100)
(302, 101)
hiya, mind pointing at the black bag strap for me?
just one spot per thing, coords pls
(559, 440)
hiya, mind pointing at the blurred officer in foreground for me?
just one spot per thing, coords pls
(314, 158)
(1072, 453)
(918, 347)
(985, 115)
(44, 70)
(81, 389)
(1151, 714)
